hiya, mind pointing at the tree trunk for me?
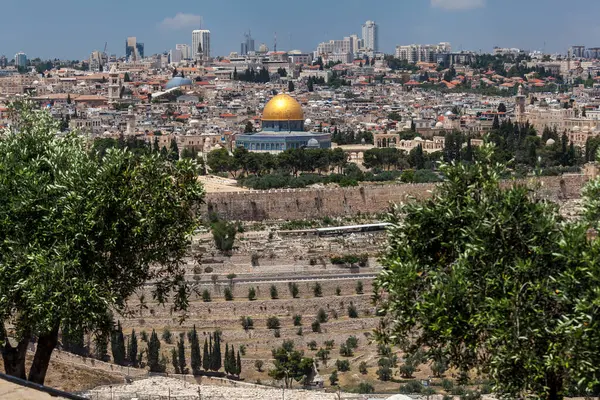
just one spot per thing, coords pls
(14, 358)
(555, 386)
(45, 346)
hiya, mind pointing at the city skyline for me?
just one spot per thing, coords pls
(53, 33)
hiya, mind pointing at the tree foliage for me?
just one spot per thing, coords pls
(290, 365)
(76, 241)
(496, 287)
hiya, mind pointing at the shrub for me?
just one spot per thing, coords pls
(243, 349)
(299, 332)
(359, 287)
(352, 342)
(365, 388)
(457, 391)
(345, 351)
(350, 259)
(247, 323)
(352, 311)
(362, 368)
(167, 336)
(258, 364)
(406, 370)
(447, 384)
(333, 378)
(412, 387)
(323, 355)
(228, 293)
(254, 259)
(277, 333)
(231, 276)
(338, 291)
(312, 345)
(144, 336)
(342, 365)
(208, 270)
(273, 292)
(322, 316)
(297, 320)
(223, 235)
(318, 290)
(329, 344)
(251, 294)
(273, 323)
(294, 291)
(316, 327)
(206, 296)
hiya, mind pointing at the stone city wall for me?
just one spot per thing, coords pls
(294, 204)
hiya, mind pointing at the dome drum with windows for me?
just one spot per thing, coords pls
(283, 129)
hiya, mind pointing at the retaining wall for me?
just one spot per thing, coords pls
(292, 204)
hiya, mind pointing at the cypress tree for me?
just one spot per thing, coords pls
(118, 345)
(101, 346)
(174, 361)
(153, 352)
(227, 359)
(181, 356)
(206, 356)
(238, 365)
(215, 357)
(132, 350)
(73, 341)
(196, 360)
(174, 150)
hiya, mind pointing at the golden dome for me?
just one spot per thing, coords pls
(283, 107)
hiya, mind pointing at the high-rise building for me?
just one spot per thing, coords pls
(3, 61)
(20, 59)
(578, 51)
(176, 56)
(97, 61)
(247, 45)
(336, 50)
(134, 51)
(186, 51)
(370, 35)
(201, 44)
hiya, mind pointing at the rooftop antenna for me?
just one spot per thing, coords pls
(290, 41)
(201, 21)
(275, 46)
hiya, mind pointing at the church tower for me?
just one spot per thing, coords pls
(130, 121)
(520, 105)
(114, 85)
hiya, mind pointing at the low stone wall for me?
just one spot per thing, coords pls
(293, 204)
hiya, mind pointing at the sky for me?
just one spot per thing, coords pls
(72, 29)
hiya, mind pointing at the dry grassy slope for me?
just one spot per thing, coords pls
(74, 378)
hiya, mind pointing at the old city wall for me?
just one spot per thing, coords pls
(294, 204)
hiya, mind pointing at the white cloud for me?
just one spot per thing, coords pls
(182, 21)
(457, 4)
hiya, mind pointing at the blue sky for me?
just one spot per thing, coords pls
(74, 28)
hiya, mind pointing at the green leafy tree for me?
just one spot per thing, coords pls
(173, 150)
(101, 346)
(291, 87)
(498, 248)
(290, 365)
(318, 290)
(74, 245)
(252, 294)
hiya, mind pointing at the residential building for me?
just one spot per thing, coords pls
(370, 36)
(415, 53)
(201, 44)
(97, 61)
(3, 62)
(337, 50)
(134, 51)
(20, 59)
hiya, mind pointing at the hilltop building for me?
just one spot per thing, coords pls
(283, 129)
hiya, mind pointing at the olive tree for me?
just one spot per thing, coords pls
(79, 234)
(471, 274)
